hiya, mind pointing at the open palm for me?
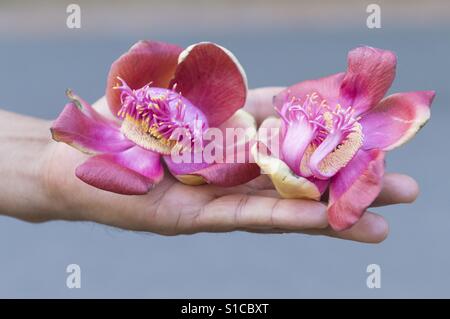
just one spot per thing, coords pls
(172, 208)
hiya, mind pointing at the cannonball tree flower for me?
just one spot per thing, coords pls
(154, 89)
(334, 133)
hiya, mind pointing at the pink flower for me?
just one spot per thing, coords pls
(335, 132)
(154, 89)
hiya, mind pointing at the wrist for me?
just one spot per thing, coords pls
(62, 191)
(23, 141)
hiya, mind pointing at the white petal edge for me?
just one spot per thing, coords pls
(422, 117)
(287, 184)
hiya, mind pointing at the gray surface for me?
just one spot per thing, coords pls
(414, 259)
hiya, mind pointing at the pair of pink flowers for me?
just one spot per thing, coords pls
(333, 132)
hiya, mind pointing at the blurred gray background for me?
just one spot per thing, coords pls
(278, 43)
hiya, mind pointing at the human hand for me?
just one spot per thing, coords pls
(171, 207)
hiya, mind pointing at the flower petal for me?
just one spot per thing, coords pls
(132, 172)
(296, 140)
(212, 79)
(145, 62)
(287, 184)
(87, 134)
(233, 166)
(327, 88)
(396, 119)
(354, 188)
(221, 174)
(292, 146)
(369, 75)
(87, 109)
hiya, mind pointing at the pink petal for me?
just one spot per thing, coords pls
(132, 172)
(296, 140)
(321, 184)
(88, 134)
(369, 75)
(327, 88)
(227, 172)
(293, 144)
(354, 188)
(145, 62)
(212, 79)
(183, 168)
(396, 119)
(87, 109)
(222, 174)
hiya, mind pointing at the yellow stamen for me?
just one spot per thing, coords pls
(146, 136)
(343, 152)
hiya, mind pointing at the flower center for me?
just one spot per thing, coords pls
(303, 125)
(343, 140)
(159, 119)
(318, 140)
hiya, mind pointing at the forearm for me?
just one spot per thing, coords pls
(23, 142)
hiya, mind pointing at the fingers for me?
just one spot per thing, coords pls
(237, 212)
(264, 212)
(371, 228)
(397, 188)
(259, 102)
(261, 182)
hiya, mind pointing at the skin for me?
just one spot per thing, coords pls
(41, 186)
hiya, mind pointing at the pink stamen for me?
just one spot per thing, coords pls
(162, 110)
(309, 111)
(312, 126)
(343, 121)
